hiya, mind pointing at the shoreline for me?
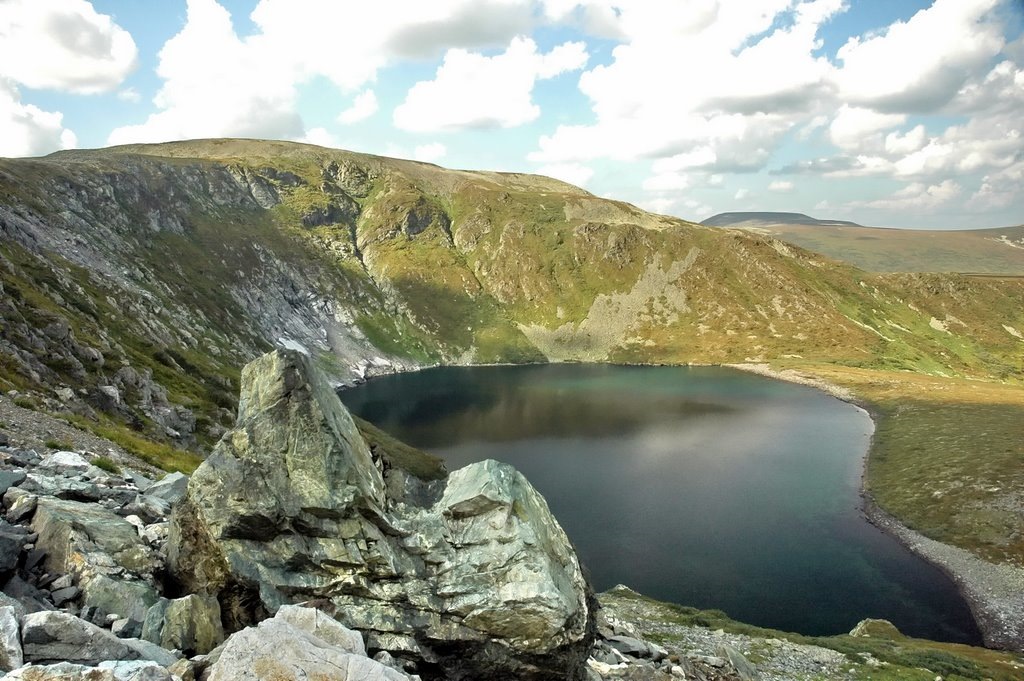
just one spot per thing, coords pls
(993, 592)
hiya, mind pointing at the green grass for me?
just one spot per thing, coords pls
(157, 454)
(400, 455)
(107, 464)
(58, 444)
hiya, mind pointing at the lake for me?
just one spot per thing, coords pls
(703, 486)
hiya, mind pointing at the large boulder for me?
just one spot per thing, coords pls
(59, 637)
(294, 645)
(468, 577)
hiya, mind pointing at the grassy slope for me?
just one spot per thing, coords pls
(988, 251)
(456, 266)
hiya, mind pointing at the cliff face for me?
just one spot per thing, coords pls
(135, 279)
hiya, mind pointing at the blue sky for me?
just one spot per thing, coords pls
(902, 113)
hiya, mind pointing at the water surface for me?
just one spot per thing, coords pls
(702, 486)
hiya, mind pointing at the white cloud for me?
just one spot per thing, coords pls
(708, 84)
(129, 94)
(63, 45)
(1001, 189)
(741, 194)
(429, 152)
(901, 144)
(666, 182)
(320, 137)
(781, 186)
(217, 82)
(854, 126)
(918, 197)
(26, 130)
(920, 64)
(245, 91)
(660, 205)
(363, 106)
(573, 173)
(471, 90)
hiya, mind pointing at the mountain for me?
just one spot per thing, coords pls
(138, 279)
(754, 218)
(997, 251)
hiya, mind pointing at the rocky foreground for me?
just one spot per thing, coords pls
(301, 550)
(296, 551)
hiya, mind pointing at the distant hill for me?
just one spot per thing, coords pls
(748, 218)
(969, 251)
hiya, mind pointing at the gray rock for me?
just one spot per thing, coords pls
(292, 501)
(126, 627)
(136, 670)
(10, 551)
(171, 488)
(279, 649)
(65, 462)
(153, 623)
(30, 598)
(191, 624)
(10, 640)
(745, 670)
(62, 596)
(149, 509)
(62, 671)
(145, 650)
(127, 598)
(61, 487)
(49, 637)
(62, 582)
(142, 483)
(20, 504)
(86, 540)
(326, 628)
(7, 601)
(10, 479)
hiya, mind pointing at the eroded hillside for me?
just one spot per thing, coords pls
(137, 279)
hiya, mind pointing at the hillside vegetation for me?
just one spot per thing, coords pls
(137, 280)
(998, 252)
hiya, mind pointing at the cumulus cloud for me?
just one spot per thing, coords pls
(471, 90)
(918, 197)
(781, 186)
(363, 106)
(251, 87)
(63, 45)
(920, 64)
(27, 130)
(1000, 189)
(320, 137)
(573, 173)
(429, 152)
(244, 92)
(854, 126)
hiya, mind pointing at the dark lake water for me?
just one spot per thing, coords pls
(707, 487)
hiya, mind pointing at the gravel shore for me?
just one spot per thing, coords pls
(994, 592)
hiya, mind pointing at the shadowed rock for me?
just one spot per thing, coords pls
(473, 579)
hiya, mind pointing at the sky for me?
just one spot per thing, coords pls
(899, 113)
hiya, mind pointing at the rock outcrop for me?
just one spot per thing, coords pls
(464, 577)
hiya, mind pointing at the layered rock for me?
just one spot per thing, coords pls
(465, 577)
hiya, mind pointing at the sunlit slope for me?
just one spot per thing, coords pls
(983, 251)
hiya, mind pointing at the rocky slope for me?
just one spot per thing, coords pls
(107, 575)
(136, 279)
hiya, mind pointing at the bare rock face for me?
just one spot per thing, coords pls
(469, 577)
